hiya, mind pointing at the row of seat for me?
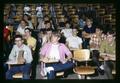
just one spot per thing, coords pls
(82, 55)
(101, 12)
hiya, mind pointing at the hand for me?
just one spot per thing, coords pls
(65, 60)
(106, 58)
(21, 61)
(44, 59)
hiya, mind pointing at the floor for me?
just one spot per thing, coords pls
(71, 76)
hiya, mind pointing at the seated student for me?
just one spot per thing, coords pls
(43, 22)
(31, 41)
(107, 52)
(39, 10)
(13, 58)
(57, 52)
(88, 29)
(95, 41)
(67, 31)
(27, 9)
(107, 46)
(74, 42)
(7, 39)
(27, 18)
(21, 27)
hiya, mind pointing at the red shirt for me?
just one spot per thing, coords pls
(6, 33)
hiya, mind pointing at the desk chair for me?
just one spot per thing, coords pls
(83, 55)
(18, 75)
(58, 74)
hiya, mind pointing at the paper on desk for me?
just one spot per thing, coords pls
(11, 62)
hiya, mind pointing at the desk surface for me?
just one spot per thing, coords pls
(105, 58)
(46, 60)
(10, 62)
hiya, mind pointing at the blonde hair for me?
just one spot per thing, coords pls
(56, 33)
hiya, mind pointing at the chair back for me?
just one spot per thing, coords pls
(82, 54)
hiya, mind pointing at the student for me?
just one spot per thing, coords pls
(27, 18)
(67, 31)
(57, 52)
(107, 52)
(95, 42)
(31, 41)
(88, 29)
(21, 27)
(74, 42)
(13, 57)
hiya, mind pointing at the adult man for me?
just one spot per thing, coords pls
(13, 59)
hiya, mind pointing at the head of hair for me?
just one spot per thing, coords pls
(49, 29)
(56, 33)
(8, 24)
(99, 27)
(28, 16)
(48, 21)
(25, 21)
(30, 30)
(110, 32)
(43, 31)
(18, 36)
(89, 18)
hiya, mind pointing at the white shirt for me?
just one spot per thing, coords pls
(67, 32)
(21, 30)
(54, 52)
(41, 24)
(44, 40)
(26, 8)
(30, 24)
(27, 53)
(74, 42)
(39, 8)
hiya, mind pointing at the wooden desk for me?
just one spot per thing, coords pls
(13, 63)
(105, 58)
(47, 60)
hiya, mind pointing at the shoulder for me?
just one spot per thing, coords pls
(68, 38)
(32, 38)
(47, 44)
(25, 46)
(79, 38)
(61, 45)
(14, 46)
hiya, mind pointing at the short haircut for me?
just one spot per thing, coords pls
(24, 21)
(30, 30)
(89, 19)
(28, 16)
(110, 32)
(49, 29)
(56, 33)
(46, 22)
(18, 36)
